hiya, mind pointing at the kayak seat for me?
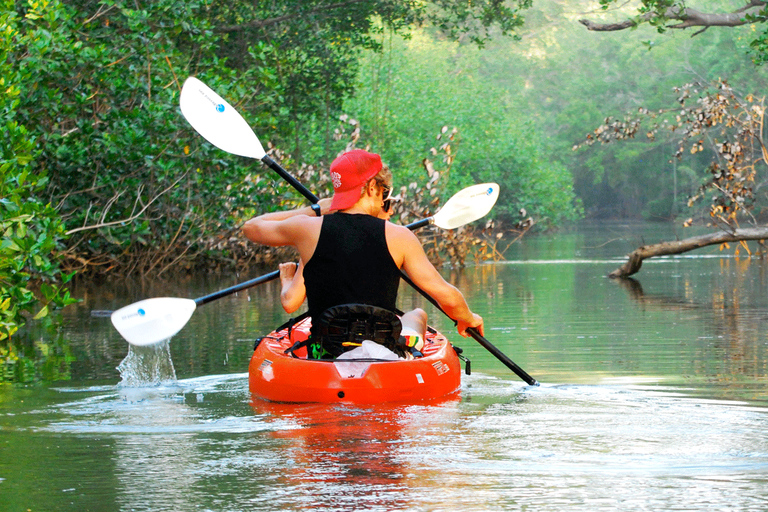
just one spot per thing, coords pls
(344, 327)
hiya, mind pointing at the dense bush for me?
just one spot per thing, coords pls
(100, 171)
(31, 282)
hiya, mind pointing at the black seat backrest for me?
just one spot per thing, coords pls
(346, 326)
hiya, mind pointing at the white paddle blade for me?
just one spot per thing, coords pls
(151, 321)
(467, 206)
(218, 121)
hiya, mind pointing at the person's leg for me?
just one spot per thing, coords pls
(414, 328)
(415, 322)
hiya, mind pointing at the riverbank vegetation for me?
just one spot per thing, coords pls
(101, 174)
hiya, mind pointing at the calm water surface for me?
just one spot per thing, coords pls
(654, 397)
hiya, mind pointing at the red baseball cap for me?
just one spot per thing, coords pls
(349, 172)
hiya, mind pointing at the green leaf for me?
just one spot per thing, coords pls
(42, 313)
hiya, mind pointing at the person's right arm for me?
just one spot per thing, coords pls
(414, 261)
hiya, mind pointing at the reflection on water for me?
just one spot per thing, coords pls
(348, 457)
(653, 397)
(205, 444)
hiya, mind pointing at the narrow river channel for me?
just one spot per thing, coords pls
(653, 396)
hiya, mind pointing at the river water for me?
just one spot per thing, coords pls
(653, 396)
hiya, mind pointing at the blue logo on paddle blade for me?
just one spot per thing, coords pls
(220, 107)
(142, 312)
(490, 191)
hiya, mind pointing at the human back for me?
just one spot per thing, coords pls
(351, 264)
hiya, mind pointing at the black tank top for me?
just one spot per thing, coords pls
(351, 264)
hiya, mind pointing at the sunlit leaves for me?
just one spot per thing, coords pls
(476, 19)
(31, 283)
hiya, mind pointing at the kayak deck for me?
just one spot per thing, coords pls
(279, 377)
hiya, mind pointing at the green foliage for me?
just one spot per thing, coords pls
(418, 85)
(142, 192)
(139, 190)
(101, 89)
(758, 47)
(566, 80)
(477, 19)
(32, 229)
(31, 282)
(314, 49)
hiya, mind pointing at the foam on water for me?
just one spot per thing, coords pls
(149, 365)
(215, 403)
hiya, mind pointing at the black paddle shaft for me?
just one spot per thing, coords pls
(487, 345)
(290, 179)
(234, 289)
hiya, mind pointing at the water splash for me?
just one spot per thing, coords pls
(149, 365)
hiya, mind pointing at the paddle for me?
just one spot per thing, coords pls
(478, 337)
(221, 125)
(465, 206)
(150, 321)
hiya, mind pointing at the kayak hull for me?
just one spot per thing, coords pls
(279, 377)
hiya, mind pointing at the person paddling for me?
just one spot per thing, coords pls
(293, 293)
(292, 289)
(351, 255)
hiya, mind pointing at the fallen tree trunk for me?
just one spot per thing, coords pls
(636, 257)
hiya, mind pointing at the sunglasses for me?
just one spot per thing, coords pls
(386, 192)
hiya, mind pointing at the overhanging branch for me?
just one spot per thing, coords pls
(687, 16)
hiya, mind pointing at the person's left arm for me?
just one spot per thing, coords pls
(281, 228)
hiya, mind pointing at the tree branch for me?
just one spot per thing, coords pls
(687, 16)
(134, 216)
(613, 27)
(636, 257)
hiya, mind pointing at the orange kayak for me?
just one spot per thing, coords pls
(279, 377)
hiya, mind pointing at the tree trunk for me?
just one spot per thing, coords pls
(636, 257)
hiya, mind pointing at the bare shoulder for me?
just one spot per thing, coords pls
(400, 234)
(402, 243)
(303, 226)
